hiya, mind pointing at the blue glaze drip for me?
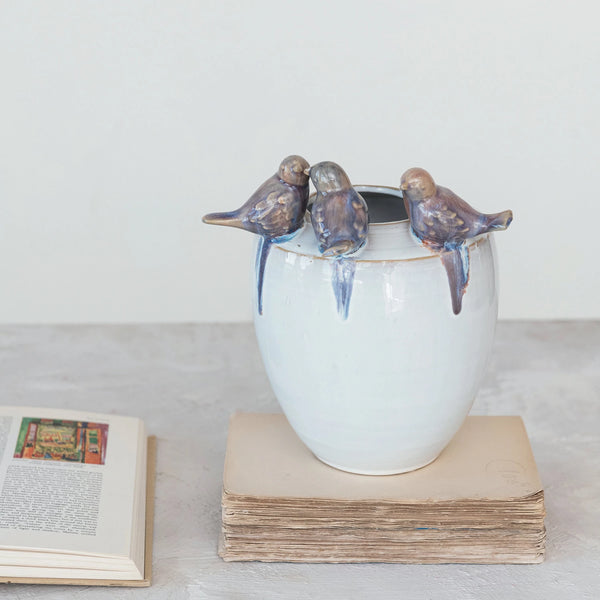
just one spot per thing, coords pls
(342, 280)
(465, 260)
(455, 259)
(262, 253)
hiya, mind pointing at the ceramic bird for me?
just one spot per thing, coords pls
(340, 221)
(275, 212)
(443, 222)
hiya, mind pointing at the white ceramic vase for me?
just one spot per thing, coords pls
(385, 390)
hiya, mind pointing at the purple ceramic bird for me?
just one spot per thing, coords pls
(275, 211)
(340, 221)
(442, 221)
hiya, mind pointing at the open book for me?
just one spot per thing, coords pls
(73, 488)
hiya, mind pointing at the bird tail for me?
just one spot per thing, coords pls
(229, 219)
(262, 253)
(338, 249)
(499, 221)
(456, 263)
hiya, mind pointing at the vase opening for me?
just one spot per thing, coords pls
(385, 204)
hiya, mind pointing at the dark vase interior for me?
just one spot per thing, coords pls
(384, 208)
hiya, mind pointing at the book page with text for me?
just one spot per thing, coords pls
(67, 480)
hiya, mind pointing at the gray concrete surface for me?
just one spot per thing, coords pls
(185, 381)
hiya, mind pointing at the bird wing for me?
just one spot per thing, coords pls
(455, 216)
(361, 216)
(317, 217)
(446, 218)
(275, 213)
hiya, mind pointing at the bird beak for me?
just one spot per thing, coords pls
(307, 171)
(404, 186)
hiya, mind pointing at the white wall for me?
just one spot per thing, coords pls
(123, 122)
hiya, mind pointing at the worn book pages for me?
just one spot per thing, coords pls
(480, 501)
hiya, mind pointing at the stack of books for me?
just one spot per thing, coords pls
(481, 501)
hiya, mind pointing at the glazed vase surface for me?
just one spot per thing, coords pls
(384, 390)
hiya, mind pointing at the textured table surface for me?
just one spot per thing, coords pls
(185, 381)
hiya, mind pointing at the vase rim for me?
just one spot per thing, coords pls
(474, 244)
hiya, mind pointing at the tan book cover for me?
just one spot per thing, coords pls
(489, 458)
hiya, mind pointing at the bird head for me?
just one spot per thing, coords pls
(329, 177)
(293, 169)
(418, 184)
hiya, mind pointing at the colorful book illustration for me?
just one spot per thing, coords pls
(57, 439)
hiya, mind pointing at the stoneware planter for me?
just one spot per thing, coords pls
(385, 390)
